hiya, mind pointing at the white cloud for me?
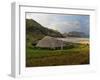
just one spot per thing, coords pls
(43, 19)
(56, 22)
(67, 26)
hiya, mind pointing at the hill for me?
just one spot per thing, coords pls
(35, 32)
(75, 34)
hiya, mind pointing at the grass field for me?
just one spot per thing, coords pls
(75, 55)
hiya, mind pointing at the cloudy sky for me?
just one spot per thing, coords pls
(62, 22)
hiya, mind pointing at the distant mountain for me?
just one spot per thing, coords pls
(35, 31)
(75, 34)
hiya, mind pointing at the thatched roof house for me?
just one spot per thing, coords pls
(50, 42)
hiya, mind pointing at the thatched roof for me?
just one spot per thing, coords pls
(50, 42)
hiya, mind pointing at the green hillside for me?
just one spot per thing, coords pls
(35, 32)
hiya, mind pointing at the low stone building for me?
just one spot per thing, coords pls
(50, 42)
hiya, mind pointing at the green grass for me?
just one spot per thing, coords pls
(79, 54)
